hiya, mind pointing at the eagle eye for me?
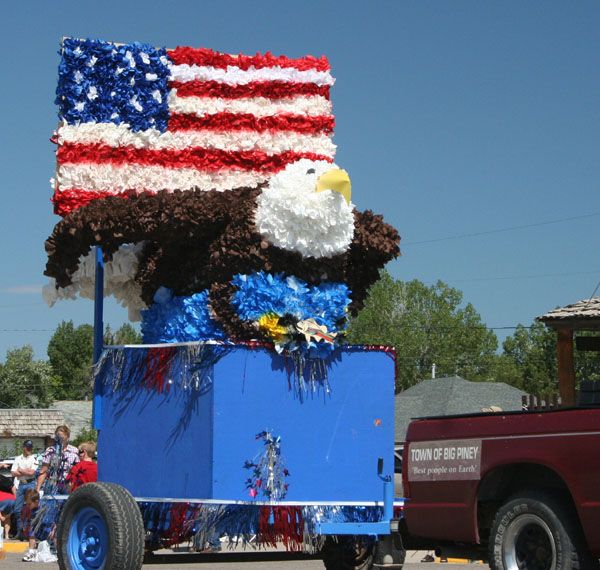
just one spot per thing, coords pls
(310, 171)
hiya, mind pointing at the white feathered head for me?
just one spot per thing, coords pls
(306, 208)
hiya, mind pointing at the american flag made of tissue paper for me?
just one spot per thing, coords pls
(136, 119)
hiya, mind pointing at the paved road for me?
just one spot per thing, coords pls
(249, 560)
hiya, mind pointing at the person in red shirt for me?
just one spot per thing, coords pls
(86, 471)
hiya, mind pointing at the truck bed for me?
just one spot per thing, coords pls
(457, 469)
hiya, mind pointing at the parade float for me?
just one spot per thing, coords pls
(200, 190)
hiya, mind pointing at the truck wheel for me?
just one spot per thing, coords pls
(537, 532)
(348, 553)
(100, 527)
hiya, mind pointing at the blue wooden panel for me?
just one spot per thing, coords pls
(157, 444)
(193, 444)
(330, 442)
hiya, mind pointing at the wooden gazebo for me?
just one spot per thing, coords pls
(581, 316)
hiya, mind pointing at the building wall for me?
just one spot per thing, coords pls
(8, 445)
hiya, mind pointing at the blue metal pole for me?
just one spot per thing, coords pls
(98, 334)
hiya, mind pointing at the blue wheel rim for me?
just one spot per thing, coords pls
(87, 545)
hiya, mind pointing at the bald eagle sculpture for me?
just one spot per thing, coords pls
(283, 262)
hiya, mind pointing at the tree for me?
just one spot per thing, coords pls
(428, 326)
(89, 434)
(70, 352)
(531, 353)
(70, 355)
(25, 382)
(532, 350)
(505, 369)
(587, 364)
(125, 334)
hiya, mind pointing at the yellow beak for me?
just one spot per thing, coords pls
(337, 180)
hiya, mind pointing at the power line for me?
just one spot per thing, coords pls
(596, 289)
(21, 305)
(27, 330)
(511, 277)
(499, 230)
(375, 324)
(439, 359)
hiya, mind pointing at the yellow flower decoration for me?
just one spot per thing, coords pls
(269, 323)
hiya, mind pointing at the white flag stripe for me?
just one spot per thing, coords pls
(119, 179)
(313, 105)
(268, 142)
(236, 76)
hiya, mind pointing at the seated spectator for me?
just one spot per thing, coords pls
(32, 503)
(86, 471)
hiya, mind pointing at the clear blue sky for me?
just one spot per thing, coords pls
(452, 118)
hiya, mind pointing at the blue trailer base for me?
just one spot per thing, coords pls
(217, 423)
(196, 420)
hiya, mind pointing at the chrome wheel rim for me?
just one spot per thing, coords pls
(529, 544)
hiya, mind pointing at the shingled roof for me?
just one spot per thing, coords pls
(583, 315)
(451, 395)
(78, 414)
(17, 422)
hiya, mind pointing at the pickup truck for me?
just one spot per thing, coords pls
(516, 489)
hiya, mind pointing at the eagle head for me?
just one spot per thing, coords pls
(306, 208)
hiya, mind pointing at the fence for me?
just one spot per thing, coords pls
(588, 394)
(543, 402)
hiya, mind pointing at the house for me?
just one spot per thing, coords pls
(19, 424)
(77, 413)
(451, 395)
(581, 316)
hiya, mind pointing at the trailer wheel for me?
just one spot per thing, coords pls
(100, 528)
(348, 552)
(537, 532)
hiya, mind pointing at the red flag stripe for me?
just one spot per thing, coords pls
(242, 122)
(269, 89)
(65, 201)
(208, 57)
(211, 160)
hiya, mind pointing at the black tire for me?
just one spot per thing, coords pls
(348, 552)
(534, 531)
(111, 508)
